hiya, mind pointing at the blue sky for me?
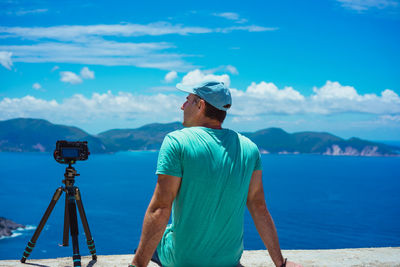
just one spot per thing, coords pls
(327, 65)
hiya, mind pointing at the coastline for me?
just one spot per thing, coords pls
(262, 151)
(386, 256)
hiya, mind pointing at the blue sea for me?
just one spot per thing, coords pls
(317, 202)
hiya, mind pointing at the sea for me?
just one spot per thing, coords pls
(316, 201)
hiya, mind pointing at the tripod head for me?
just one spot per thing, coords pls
(69, 175)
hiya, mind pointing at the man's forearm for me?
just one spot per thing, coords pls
(154, 223)
(266, 228)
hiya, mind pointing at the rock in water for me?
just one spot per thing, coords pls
(7, 226)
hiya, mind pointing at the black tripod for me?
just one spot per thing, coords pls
(70, 218)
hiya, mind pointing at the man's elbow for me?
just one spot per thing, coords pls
(257, 207)
(162, 212)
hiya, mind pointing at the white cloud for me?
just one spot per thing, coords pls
(224, 68)
(164, 89)
(83, 32)
(332, 98)
(333, 90)
(390, 96)
(363, 5)
(231, 16)
(86, 73)
(31, 11)
(241, 119)
(266, 98)
(36, 86)
(250, 28)
(5, 59)
(270, 91)
(70, 77)
(228, 15)
(100, 52)
(86, 44)
(394, 118)
(170, 76)
(233, 70)
(197, 76)
(258, 102)
(27, 106)
(98, 107)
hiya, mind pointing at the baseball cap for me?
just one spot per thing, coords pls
(214, 92)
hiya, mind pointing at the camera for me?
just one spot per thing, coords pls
(69, 152)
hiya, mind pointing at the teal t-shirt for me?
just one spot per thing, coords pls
(207, 215)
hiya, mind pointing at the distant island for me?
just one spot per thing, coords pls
(7, 226)
(38, 135)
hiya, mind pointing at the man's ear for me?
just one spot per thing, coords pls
(202, 104)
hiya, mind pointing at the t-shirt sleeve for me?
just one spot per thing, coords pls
(169, 157)
(258, 165)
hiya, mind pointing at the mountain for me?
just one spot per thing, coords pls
(25, 135)
(275, 140)
(7, 226)
(148, 137)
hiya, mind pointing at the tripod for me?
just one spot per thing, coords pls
(72, 196)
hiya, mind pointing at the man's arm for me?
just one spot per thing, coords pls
(156, 218)
(263, 220)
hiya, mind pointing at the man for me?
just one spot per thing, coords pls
(206, 176)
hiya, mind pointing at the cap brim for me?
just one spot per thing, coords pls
(185, 88)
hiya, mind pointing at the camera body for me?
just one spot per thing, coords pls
(69, 152)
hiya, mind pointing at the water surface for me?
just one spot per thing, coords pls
(317, 202)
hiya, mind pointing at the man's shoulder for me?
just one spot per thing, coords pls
(193, 133)
(245, 139)
(187, 131)
(179, 133)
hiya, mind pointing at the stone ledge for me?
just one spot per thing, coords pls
(366, 257)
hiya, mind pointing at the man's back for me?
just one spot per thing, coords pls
(207, 219)
(206, 177)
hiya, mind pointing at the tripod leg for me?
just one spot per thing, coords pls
(66, 223)
(73, 224)
(82, 213)
(32, 242)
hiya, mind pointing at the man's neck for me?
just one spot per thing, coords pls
(213, 124)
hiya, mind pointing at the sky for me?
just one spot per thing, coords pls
(324, 65)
